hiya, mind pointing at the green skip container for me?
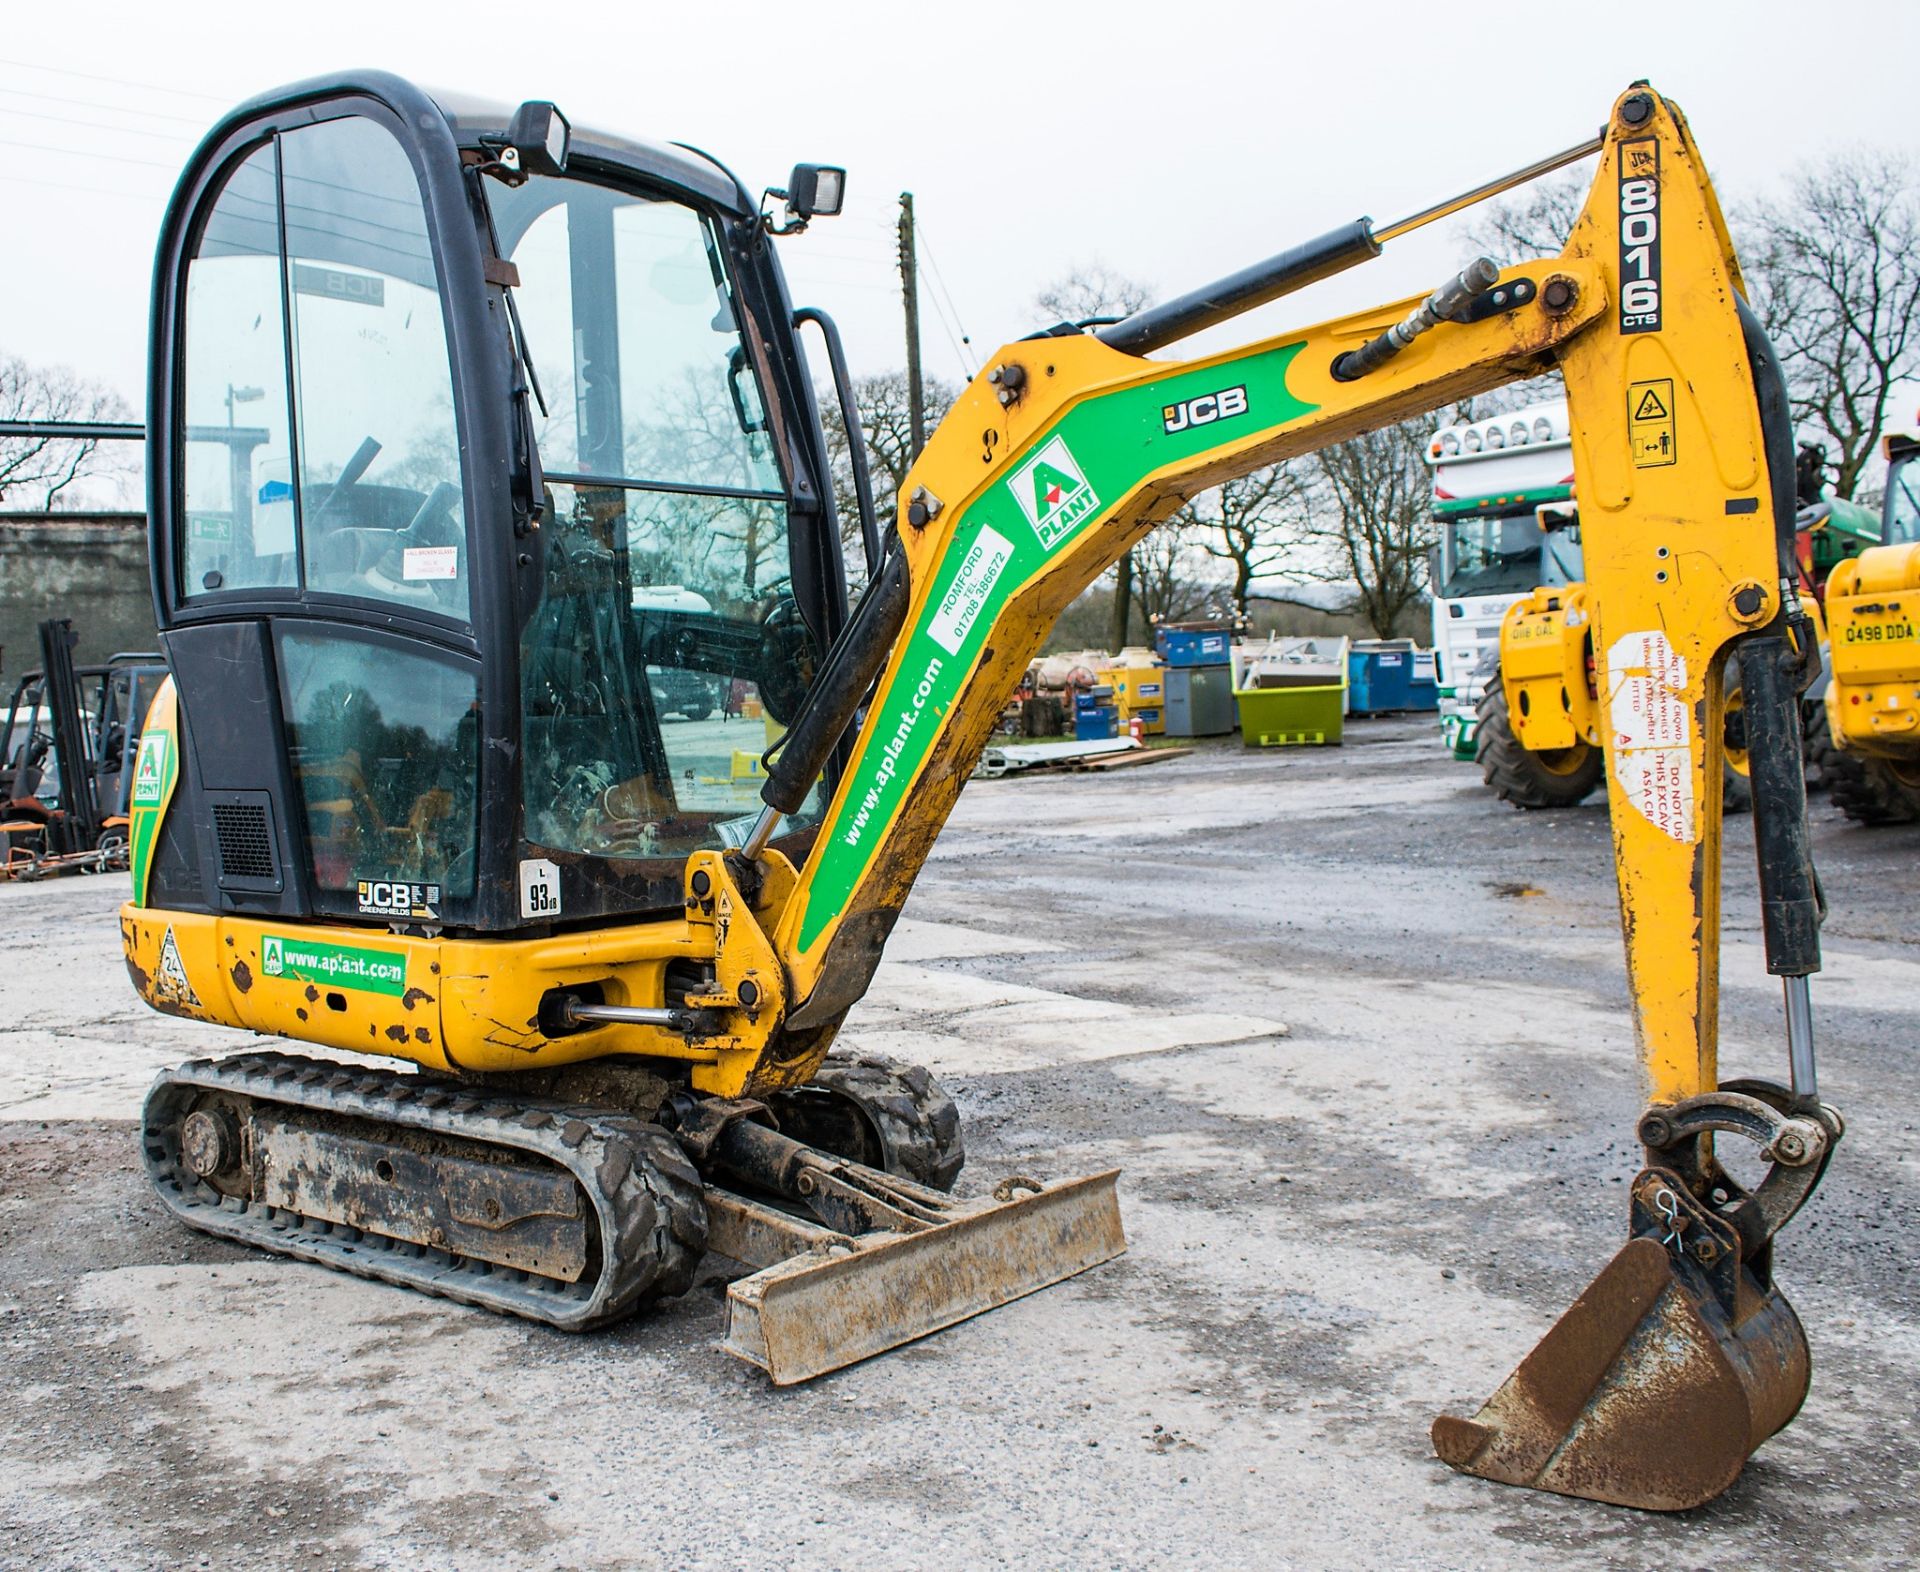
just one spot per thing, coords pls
(1291, 717)
(1295, 693)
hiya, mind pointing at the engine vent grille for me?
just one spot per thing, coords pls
(243, 833)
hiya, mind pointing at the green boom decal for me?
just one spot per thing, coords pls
(1073, 475)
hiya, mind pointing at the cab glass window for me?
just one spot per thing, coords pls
(1903, 502)
(379, 481)
(667, 653)
(237, 474)
(384, 741)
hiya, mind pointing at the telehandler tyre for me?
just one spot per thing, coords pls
(1873, 791)
(1557, 778)
(1823, 759)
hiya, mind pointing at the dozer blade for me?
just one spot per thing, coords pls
(1644, 1394)
(845, 1298)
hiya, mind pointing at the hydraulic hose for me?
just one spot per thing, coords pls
(845, 676)
(1775, 667)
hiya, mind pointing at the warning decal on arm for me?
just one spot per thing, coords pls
(1650, 432)
(1651, 748)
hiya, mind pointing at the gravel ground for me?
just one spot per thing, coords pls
(1358, 1037)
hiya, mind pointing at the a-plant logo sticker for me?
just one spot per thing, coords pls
(150, 770)
(1053, 492)
(273, 956)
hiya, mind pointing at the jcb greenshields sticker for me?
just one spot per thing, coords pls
(333, 965)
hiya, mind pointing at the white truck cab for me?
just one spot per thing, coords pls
(1489, 477)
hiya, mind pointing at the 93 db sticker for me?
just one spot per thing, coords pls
(539, 888)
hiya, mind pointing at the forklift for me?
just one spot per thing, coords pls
(68, 757)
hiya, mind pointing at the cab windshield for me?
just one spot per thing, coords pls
(667, 650)
(1903, 503)
(1502, 556)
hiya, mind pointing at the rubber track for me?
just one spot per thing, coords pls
(649, 1206)
(918, 1122)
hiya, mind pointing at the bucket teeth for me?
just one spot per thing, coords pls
(1644, 1394)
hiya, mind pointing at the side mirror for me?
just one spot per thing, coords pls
(538, 134)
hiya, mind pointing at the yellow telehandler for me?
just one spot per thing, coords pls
(538, 435)
(1873, 701)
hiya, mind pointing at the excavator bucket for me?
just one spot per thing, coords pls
(1677, 1362)
(825, 1299)
(1644, 1394)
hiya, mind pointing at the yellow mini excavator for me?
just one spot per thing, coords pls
(533, 466)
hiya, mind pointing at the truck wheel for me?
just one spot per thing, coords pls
(1558, 778)
(1822, 758)
(699, 710)
(1874, 791)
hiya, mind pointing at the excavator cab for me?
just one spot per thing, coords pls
(493, 552)
(527, 443)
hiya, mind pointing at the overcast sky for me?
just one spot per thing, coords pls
(1174, 142)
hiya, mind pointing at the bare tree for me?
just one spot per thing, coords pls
(1533, 223)
(1167, 587)
(1087, 292)
(1835, 270)
(38, 470)
(1376, 520)
(1251, 522)
(881, 403)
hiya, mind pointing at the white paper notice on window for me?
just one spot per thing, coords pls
(1652, 723)
(430, 562)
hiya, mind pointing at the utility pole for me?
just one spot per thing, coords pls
(910, 291)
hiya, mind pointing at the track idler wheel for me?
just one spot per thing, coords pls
(1682, 1356)
(876, 1111)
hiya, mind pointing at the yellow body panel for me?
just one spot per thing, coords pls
(470, 1004)
(1873, 630)
(1543, 668)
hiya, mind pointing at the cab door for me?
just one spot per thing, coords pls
(316, 526)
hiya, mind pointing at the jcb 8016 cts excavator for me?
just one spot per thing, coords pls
(538, 432)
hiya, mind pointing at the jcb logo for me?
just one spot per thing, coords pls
(397, 898)
(1204, 410)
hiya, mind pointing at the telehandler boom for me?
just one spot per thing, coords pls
(538, 429)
